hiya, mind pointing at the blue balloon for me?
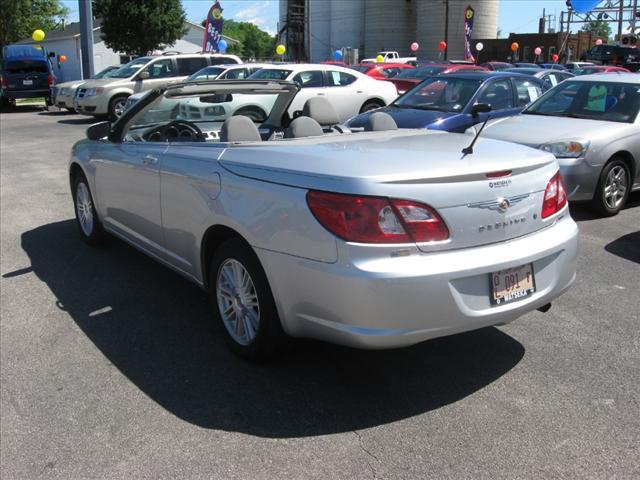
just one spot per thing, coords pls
(584, 6)
(337, 55)
(222, 45)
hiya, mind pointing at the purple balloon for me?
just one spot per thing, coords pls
(584, 6)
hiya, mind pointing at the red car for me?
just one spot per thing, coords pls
(600, 69)
(409, 78)
(382, 71)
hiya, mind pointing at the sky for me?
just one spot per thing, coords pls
(517, 16)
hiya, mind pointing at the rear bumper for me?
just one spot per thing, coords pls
(393, 302)
(26, 93)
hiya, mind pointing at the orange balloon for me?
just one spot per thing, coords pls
(63, 58)
(514, 46)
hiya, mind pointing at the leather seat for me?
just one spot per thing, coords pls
(239, 129)
(303, 127)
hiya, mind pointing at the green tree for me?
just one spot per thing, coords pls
(19, 18)
(139, 26)
(599, 28)
(254, 42)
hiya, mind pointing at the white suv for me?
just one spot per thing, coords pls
(109, 96)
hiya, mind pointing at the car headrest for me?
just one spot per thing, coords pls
(303, 127)
(379, 121)
(321, 111)
(239, 129)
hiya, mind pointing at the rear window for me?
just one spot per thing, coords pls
(421, 72)
(361, 68)
(26, 66)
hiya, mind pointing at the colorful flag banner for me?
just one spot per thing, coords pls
(213, 29)
(469, 15)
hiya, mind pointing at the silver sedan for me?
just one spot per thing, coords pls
(592, 125)
(377, 239)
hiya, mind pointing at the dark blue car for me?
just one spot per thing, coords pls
(445, 102)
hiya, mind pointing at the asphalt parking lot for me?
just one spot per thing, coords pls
(110, 367)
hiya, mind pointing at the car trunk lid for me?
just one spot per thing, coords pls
(489, 196)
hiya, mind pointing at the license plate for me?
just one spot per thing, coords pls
(27, 82)
(512, 284)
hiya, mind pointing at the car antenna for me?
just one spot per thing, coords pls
(479, 107)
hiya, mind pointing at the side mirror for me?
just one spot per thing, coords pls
(99, 130)
(143, 75)
(480, 108)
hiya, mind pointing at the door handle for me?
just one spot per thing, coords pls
(150, 160)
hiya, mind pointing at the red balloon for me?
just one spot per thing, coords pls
(555, 57)
(442, 46)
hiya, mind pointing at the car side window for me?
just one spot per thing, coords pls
(340, 79)
(189, 66)
(498, 95)
(161, 69)
(527, 91)
(235, 74)
(551, 80)
(309, 79)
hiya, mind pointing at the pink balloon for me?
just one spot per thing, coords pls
(537, 51)
(599, 41)
(415, 46)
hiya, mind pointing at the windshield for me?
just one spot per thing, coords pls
(361, 68)
(130, 68)
(442, 94)
(423, 72)
(205, 112)
(610, 101)
(270, 74)
(208, 73)
(27, 66)
(105, 73)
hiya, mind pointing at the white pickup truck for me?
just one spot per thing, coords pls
(390, 57)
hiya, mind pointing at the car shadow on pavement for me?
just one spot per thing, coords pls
(583, 211)
(79, 121)
(627, 246)
(22, 109)
(155, 327)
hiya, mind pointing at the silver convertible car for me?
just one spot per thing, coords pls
(300, 228)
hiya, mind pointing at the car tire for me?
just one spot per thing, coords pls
(116, 107)
(371, 105)
(87, 220)
(243, 304)
(255, 114)
(613, 188)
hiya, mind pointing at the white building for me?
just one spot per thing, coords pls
(66, 41)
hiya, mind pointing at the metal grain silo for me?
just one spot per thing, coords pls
(347, 28)
(319, 36)
(430, 28)
(389, 25)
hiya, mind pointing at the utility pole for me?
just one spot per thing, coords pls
(620, 15)
(86, 37)
(446, 27)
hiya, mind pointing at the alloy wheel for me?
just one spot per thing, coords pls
(237, 300)
(615, 187)
(84, 208)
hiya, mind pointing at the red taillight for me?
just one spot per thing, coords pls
(50, 78)
(555, 196)
(376, 219)
(5, 82)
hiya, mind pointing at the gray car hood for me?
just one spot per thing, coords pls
(536, 130)
(71, 84)
(360, 161)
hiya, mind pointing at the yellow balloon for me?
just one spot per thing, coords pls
(37, 35)
(379, 59)
(280, 49)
